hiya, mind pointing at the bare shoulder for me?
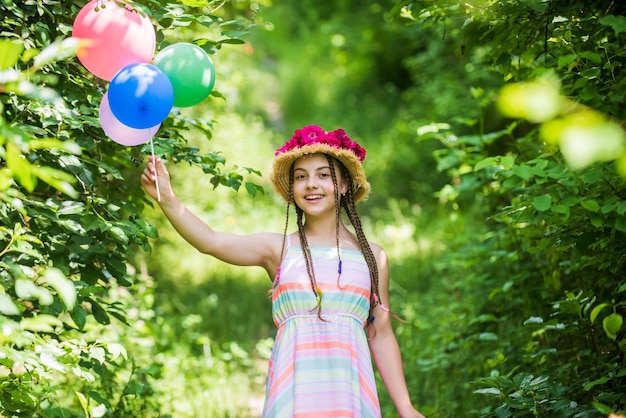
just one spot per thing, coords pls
(272, 241)
(379, 252)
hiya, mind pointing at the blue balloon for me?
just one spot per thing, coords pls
(140, 95)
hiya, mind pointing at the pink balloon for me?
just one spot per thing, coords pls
(114, 37)
(120, 133)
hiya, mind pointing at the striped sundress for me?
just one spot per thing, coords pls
(321, 369)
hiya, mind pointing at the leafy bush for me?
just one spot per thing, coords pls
(546, 261)
(71, 219)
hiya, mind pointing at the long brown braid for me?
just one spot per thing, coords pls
(347, 202)
(333, 176)
(308, 259)
(306, 251)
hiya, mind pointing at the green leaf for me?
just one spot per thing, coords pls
(116, 350)
(590, 205)
(534, 320)
(41, 323)
(71, 208)
(7, 306)
(487, 162)
(612, 325)
(79, 316)
(563, 210)
(488, 391)
(594, 57)
(542, 203)
(58, 179)
(595, 311)
(566, 60)
(523, 171)
(596, 382)
(20, 167)
(620, 224)
(251, 188)
(58, 50)
(27, 289)
(119, 234)
(618, 23)
(10, 52)
(99, 313)
(83, 402)
(487, 336)
(593, 176)
(507, 162)
(99, 398)
(64, 286)
(195, 3)
(603, 409)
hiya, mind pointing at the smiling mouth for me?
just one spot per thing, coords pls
(313, 197)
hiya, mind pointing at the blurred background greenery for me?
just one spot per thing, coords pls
(507, 254)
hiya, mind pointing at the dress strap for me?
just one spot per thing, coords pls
(288, 246)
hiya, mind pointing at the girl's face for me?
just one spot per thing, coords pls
(313, 187)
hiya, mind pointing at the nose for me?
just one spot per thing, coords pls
(311, 182)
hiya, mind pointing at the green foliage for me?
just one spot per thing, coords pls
(507, 252)
(545, 258)
(70, 215)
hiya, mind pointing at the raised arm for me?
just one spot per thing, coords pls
(384, 345)
(261, 249)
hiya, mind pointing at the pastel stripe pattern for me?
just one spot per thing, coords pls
(321, 368)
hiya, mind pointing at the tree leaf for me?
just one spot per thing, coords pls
(10, 52)
(486, 162)
(79, 316)
(488, 391)
(590, 205)
(542, 203)
(612, 325)
(64, 286)
(99, 313)
(618, 23)
(595, 311)
(600, 381)
(41, 323)
(27, 289)
(7, 306)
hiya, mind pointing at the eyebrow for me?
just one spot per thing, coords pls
(317, 169)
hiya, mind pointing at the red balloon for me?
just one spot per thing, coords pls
(114, 37)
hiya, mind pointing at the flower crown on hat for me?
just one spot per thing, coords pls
(311, 135)
(313, 139)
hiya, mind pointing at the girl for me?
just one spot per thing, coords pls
(330, 286)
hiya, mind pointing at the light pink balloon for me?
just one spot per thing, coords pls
(114, 37)
(120, 133)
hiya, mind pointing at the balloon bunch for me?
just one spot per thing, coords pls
(118, 45)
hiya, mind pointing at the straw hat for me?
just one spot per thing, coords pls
(311, 140)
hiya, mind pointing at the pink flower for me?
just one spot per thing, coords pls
(313, 134)
(332, 140)
(360, 152)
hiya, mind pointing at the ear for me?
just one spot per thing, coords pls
(344, 187)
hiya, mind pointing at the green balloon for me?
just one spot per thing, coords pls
(190, 71)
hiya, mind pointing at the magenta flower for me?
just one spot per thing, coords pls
(313, 134)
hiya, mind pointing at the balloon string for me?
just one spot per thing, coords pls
(155, 170)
